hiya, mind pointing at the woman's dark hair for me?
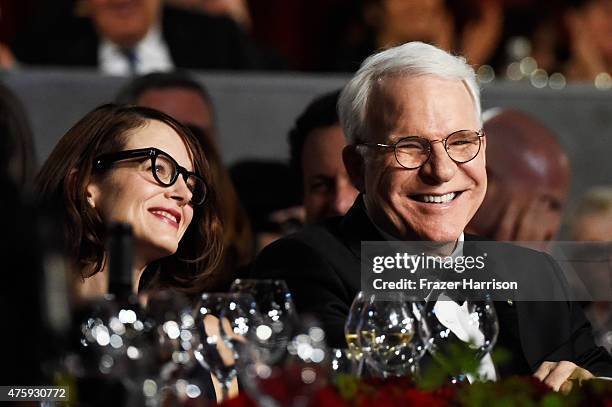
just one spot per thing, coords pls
(65, 175)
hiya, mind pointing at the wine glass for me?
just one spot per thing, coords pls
(180, 380)
(114, 349)
(240, 322)
(351, 333)
(388, 330)
(212, 351)
(352, 321)
(277, 311)
(303, 371)
(342, 362)
(469, 329)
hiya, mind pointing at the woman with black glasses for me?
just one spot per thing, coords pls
(138, 166)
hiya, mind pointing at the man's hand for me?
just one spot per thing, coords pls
(560, 375)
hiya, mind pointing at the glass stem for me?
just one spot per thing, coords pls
(225, 388)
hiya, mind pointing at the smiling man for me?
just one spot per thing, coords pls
(417, 156)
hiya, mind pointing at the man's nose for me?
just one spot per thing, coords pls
(344, 197)
(440, 167)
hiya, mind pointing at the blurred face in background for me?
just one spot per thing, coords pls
(597, 19)
(594, 226)
(328, 191)
(185, 105)
(399, 21)
(124, 22)
(529, 178)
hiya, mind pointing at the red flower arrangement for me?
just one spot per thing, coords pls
(513, 391)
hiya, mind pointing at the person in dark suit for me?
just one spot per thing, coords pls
(417, 155)
(139, 37)
(316, 142)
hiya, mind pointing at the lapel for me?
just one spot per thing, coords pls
(356, 227)
(541, 325)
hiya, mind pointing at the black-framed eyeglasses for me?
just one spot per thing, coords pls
(164, 168)
(413, 152)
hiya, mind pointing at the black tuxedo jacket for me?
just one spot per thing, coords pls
(321, 265)
(195, 41)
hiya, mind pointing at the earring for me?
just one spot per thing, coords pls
(90, 201)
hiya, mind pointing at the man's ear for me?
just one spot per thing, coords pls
(355, 166)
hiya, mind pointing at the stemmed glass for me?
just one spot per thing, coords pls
(351, 333)
(278, 316)
(390, 335)
(220, 337)
(176, 336)
(471, 328)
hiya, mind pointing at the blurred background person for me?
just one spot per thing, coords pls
(529, 177)
(316, 142)
(589, 28)
(123, 37)
(593, 219)
(175, 93)
(185, 99)
(472, 28)
(271, 195)
(16, 143)
(237, 10)
(23, 249)
(592, 222)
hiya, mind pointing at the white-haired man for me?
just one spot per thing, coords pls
(417, 155)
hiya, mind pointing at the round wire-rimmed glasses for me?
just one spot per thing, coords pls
(413, 152)
(164, 168)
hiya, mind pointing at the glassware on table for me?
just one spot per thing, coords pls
(113, 361)
(305, 369)
(278, 315)
(180, 379)
(390, 335)
(342, 362)
(470, 328)
(351, 333)
(113, 358)
(215, 351)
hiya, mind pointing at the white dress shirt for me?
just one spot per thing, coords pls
(151, 55)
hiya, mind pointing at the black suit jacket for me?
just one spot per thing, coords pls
(195, 41)
(321, 265)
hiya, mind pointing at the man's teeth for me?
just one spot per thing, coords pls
(166, 215)
(437, 198)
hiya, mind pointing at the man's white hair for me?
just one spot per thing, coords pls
(410, 60)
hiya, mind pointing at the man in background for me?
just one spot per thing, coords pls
(316, 142)
(126, 37)
(528, 180)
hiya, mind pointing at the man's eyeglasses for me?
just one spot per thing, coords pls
(413, 152)
(164, 168)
